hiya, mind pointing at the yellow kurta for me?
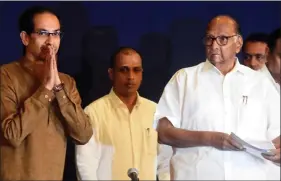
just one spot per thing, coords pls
(122, 140)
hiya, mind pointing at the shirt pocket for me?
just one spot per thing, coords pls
(150, 141)
(251, 118)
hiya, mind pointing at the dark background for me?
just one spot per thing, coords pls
(168, 35)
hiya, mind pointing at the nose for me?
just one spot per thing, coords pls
(50, 40)
(131, 75)
(214, 44)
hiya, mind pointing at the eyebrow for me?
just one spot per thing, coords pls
(41, 29)
(208, 34)
(253, 53)
(125, 66)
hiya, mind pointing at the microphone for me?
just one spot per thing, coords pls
(133, 174)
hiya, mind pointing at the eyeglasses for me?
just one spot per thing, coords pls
(221, 40)
(44, 33)
(126, 69)
(259, 57)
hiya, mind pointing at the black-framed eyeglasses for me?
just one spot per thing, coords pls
(45, 33)
(221, 40)
(259, 57)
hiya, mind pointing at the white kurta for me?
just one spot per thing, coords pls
(266, 72)
(201, 98)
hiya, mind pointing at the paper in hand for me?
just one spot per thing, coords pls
(255, 148)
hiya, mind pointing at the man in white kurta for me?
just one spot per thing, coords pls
(202, 105)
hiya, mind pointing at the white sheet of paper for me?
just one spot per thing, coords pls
(255, 148)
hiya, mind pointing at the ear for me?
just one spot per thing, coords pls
(24, 38)
(110, 73)
(266, 51)
(239, 43)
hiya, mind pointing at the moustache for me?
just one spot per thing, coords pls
(213, 52)
(47, 48)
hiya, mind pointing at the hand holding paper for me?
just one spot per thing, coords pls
(276, 152)
(256, 148)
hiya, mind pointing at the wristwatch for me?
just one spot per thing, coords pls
(58, 87)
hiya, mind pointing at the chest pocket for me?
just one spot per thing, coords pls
(150, 141)
(251, 118)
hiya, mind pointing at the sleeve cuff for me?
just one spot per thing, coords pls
(44, 95)
(173, 120)
(62, 97)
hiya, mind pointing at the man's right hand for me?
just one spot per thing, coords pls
(223, 141)
(49, 67)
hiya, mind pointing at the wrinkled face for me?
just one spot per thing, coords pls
(127, 73)
(222, 42)
(255, 54)
(46, 33)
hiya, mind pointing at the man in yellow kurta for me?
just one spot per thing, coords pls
(122, 121)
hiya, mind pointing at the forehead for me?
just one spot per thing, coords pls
(221, 27)
(46, 21)
(130, 59)
(255, 47)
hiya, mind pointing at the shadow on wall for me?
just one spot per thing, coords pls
(97, 46)
(155, 49)
(187, 47)
(74, 28)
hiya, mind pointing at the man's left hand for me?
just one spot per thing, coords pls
(57, 78)
(276, 152)
(276, 156)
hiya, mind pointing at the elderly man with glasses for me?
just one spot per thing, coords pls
(40, 107)
(202, 105)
